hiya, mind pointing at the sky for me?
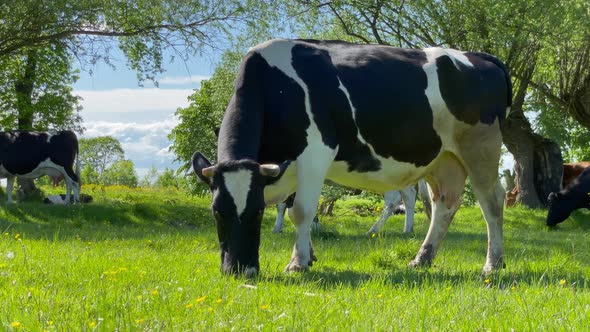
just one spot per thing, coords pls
(139, 117)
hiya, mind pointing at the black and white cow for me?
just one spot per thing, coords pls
(575, 196)
(366, 116)
(391, 206)
(280, 221)
(28, 154)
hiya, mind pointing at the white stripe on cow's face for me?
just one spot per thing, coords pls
(238, 186)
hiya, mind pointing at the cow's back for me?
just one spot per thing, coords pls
(374, 102)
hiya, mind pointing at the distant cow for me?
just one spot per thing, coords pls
(371, 117)
(30, 155)
(570, 172)
(280, 221)
(575, 196)
(392, 199)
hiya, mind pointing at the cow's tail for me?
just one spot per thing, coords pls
(78, 167)
(503, 67)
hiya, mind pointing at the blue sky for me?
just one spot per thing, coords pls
(139, 117)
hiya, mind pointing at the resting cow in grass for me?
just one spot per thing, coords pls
(365, 116)
(575, 196)
(30, 155)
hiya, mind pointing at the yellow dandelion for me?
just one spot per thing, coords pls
(188, 306)
(513, 288)
(139, 297)
(201, 299)
(154, 292)
(488, 280)
(16, 325)
(562, 282)
(219, 301)
(50, 322)
(209, 309)
(374, 235)
(139, 321)
(17, 236)
(379, 295)
(91, 324)
(264, 307)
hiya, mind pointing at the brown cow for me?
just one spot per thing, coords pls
(570, 172)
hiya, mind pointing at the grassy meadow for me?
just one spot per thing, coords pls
(148, 260)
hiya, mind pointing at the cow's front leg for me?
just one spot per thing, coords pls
(9, 187)
(312, 167)
(303, 255)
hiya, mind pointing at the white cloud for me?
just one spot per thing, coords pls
(133, 100)
(146, 144)
(183, 80)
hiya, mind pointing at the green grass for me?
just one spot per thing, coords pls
(148, 260)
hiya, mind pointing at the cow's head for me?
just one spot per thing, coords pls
(560, 208)
(238, 206)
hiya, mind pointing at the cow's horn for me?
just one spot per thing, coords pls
(270, 170)
(208, 171)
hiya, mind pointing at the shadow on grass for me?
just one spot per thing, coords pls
(327, 278)
(39, 220)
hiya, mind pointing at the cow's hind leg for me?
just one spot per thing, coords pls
(446, 181)
(312, 167)
(278, 228)
(481, 162)
(409, 198)
(391, 199)
(9, 187)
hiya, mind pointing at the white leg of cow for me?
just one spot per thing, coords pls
(312, 167)
(409, 197)
(76, 187)
(9, 187)
(391, 200)
(425, 197)
(69, 184)
(281, 207)
(491, 202)
(482, 166)
(446, 182)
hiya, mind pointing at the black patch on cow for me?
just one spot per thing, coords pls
(387, 88)
(22, 151)
(473, 94)
(331, 108)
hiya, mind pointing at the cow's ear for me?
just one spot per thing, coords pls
(203, 168)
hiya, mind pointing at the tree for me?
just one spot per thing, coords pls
(143, 28)
(121, 172)
(100, 153)
(89, 175)
(167, 179)
(198, 121)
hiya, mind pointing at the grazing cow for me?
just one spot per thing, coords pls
(371, 117)
(575, 196)
(570, 172)
(280, 221)
(392, 199)
(28, 154)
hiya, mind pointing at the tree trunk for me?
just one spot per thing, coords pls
(508, 179)
(24, 86)
(538, 162)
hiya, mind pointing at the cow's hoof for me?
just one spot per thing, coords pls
(419, 263)
(294, 266)
(489, 267)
